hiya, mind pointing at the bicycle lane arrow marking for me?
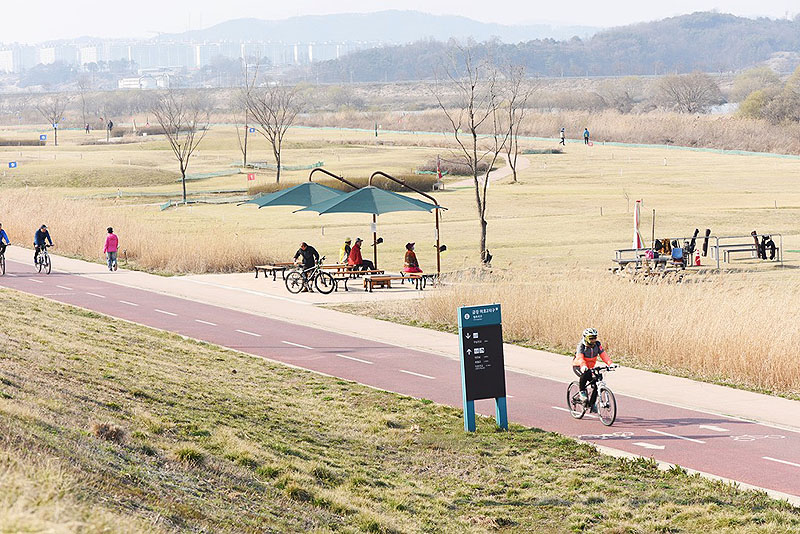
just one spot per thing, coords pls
(676, 436)
(648, 445)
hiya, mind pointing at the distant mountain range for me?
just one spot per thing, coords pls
(392, 26)
(710, 42)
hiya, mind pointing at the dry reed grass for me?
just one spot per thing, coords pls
(724, 328)
(78, 229)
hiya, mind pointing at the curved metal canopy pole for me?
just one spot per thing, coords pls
(436, 212)
(340, 178)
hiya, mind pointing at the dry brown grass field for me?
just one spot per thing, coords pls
(551, 243)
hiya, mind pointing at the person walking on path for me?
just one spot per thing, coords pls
(563, 139)
(586, 136)
(111, 248)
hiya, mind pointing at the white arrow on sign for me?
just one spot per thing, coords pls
(469, 352)
(649, 445)
(714, 428)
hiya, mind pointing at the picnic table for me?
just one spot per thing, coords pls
(274, 269)
(385, 281)
(347, 275)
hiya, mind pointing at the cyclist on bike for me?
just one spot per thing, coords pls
(3, 240)
(586, 358)
(40, 240)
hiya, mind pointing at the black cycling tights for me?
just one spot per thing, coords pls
(586, 377)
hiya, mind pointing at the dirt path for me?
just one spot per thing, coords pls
(497, 174)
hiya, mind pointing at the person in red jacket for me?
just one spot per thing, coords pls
(589, 349)
(356, 261)
(111, 248)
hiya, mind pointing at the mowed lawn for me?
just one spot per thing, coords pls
(202, 439)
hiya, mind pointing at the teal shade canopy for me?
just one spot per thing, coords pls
(305, 194)
(372, 200)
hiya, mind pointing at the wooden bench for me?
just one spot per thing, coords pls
(385, 281)
(335, 267)
(751, 248)
(274, 269)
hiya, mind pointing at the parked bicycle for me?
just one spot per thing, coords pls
(600, 398)
(322, 281)
(43, 260)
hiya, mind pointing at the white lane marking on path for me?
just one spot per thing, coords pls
(12, 275)
(249, 292)
(298, 345)
(248, 333)
(569, 411)
(355, 359)
(676, 436)
(780, 461)
(714, 428)
(165, 312)
(649, 445)
(35, 280)
(205, 322)
(417, 374)
(96, 295)
(65, 287)
(128, 303)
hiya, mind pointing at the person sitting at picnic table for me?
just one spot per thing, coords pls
(410, 263)
(344, 252)
(356, 260)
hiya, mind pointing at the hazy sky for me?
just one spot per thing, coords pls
(34, 21)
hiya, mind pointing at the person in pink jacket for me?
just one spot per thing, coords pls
(110, 250)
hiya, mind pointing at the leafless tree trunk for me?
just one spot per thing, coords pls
(518, 91)
(689, 93)
(475, 120)
(84, 85)
(274, 109)
(52, 109)
(184, 119)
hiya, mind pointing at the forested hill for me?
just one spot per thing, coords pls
(704, 41)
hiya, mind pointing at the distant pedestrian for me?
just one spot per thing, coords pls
(563, 138)
(87, 127)
(111, 248)
(586, 136)
(110, 125)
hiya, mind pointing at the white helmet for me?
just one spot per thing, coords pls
(590, 332)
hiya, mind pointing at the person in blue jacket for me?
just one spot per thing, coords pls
(40, 239)
(3, 240)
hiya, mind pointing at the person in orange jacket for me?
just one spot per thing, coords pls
(589, 349)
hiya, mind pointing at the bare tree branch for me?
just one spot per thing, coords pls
(274, 109)
(52, 109)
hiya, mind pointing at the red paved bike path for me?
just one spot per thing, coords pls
(747, 452)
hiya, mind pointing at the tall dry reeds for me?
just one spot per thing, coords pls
(79, 227)
(725, 327)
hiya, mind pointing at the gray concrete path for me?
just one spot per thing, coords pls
(270, 299)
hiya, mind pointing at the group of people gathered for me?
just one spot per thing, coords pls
(42, 239)
(350, 255)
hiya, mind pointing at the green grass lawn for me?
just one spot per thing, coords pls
(218, 441)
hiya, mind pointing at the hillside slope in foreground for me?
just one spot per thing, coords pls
(109, 426)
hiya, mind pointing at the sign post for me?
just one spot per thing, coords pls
(480, 334)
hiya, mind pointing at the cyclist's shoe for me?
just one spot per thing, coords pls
(583, 397)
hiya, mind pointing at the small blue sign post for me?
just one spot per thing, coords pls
(483, 375)
(43, 137)
(12, 164)
(252, 130)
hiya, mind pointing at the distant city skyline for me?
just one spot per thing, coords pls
(35, 22)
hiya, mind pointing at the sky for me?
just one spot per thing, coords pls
(37, 21)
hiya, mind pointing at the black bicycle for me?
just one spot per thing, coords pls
(315, 277)
(600, 398)
(43, 260)
(2, 261)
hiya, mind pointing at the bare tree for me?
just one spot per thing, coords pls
(52, 109)
(689, 93)
(518, 91)
(274, 109)
(184, 118)
(474, 115)
(84, 86)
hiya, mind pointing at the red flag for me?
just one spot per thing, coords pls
(251, 176)
(438, 169)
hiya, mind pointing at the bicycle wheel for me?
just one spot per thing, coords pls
(39, 263)
(324, 282)
(47, 265)
(3, 265)
(576, 408)
(295, 282)
(606, 406)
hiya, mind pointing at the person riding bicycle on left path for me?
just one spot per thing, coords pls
(3, 240)
(589, 349)
(40, 239)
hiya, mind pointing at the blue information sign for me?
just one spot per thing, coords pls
(483, 376)
(12, 164)
(43, 137)
(252, 130)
